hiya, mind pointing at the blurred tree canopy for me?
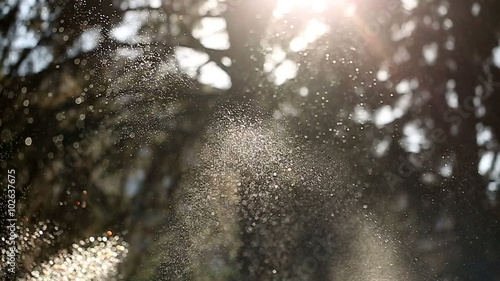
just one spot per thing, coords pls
(105, 106)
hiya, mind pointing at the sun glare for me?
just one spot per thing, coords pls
(284, 7)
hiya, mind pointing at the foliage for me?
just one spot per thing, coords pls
(387, 110)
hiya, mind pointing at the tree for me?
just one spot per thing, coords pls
(375, 106)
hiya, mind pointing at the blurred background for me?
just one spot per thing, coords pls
(252, 140)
